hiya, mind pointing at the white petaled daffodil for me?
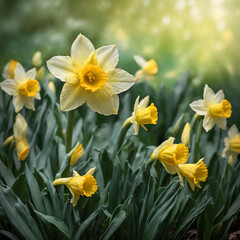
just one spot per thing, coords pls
(232, 145)
(142, 114)
(90, 76)
(214, 107)
(148, 68)
(23, 87)
(9, 68)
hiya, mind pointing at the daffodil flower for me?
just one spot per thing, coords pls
(142, 114)
(232, 145)
(186, 133)
(90, 76)
(76, 153)
(170, 155)
(194, 173)
(214, 108)
(9, 69)
(24, 88)
(148, 68)
(19, 136)
(85, 185)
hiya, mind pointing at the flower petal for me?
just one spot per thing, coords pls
(208, 94)
(19, 73)
(38, 96)
(28, 102)
(31, 74)
(221, 122)
(17, 102)
(208, 122)
(107, 57)
(20, 127)
(171, 169)
(5, 73)
(120, 80)
(199, 107)
(71, 97)
(81, 48)
(166, 143)
(9, 86)
(140, 60)
(233, 131)
(143, 103)
(219, 96)
(62, 68)
(103, 102)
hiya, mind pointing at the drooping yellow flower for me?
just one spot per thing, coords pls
(24, 88)
(90, 76)
(194, 173)
(170, 155)
(186, 134)
(19, 135)
(85, 185)
(148, 68)
(76, 153)
(142, 114)
(232, 145)
(9, 69)
(214, 108)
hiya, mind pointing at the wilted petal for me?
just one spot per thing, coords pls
(81, 48)
(71, 97)
(107, 57)
(120, 80)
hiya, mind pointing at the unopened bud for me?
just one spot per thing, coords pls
(37, 59)
(186, 134)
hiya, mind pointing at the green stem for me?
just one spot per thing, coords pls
(225, 171)
(69, 131)
(193, 121)
(60, 128)
(121, 137)
(197, 140)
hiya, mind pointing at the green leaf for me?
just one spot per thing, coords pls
(9, 235)
(7, 174)
(114, 225)
(57, 227)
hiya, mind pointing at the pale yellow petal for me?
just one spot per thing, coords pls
(62, 68)
(170, 169)
(81, 48)
(18, 103)
(20, 127)
(38, 96)
(107, 57)
(120, 80)
(221, 122)
(19, 73)
(71, 97)
(90, 171)
(28, 102)
(233, 131)
(199, 107)
(140, 60)
(9, 86)
(5, 73)
(166, 143)
(208, 95)
(219, 96)
(31, 74)
(103, 102)
(208, 122)
(143, 103)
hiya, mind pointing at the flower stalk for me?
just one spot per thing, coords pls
(69, 131)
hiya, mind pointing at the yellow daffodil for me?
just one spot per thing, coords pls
(90, 76)
(214, 108)
(232, 145)
(85, 185)
(9, 69)
(148, 68)
(76, 153)
(170, 155)
(186, 134)
(19, 135)
(194, 173)
(142, 114)
(24, 88)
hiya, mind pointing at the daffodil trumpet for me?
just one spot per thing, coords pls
(78, 185)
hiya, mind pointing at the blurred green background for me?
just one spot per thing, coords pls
(182, 35)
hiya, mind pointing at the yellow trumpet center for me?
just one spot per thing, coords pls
(222, 109)
(29, 88)
(174, 154)
(151, 67)
(92, 78)
(89, 185)
(234, 144)
(11, 68)
(148, 115)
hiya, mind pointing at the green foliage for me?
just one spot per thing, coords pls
(135, 200)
